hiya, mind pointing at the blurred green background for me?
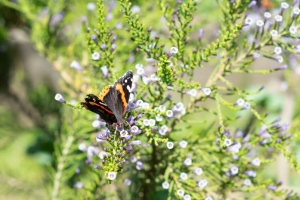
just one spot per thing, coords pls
(30, 51)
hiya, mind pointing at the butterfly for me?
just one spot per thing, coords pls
(112, 102)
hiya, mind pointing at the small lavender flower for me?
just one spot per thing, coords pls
(206, 91)
(187, 162)
(146, 105)
(183, 144)
(271, 187)
(135, 142)
(246, 106)
(200, 33)
(192, 92)
(251, 4)
(256, 55)
(180, 192)
(104, 70)
(250, 173)
(74, 64)
(170, 145)
(104, 135)
(103, 46)
(183, 176)
(163, 130)
(284, 5)
(267, 15)
(255, 162)
(235, 148)
(60, 98)
(247, 182)
(139, 103)
(140, 71)
(113, 47)
(248, 21)
(139, 165)
(134, 130)
(92, 150)
(296, 11)
(78, 185)
(208, 198)
(202, 184)
(279, 58)
(127, 182)
(111, 175)
(165, 185)
(96, 56)
(135, 9)
(198, 171)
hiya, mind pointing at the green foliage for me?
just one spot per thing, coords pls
(191, 143)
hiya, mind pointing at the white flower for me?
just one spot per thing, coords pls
(146, 105)
(102, 154)
(187, 197)
(277, 50)
(247, 106)
(260, 23)
(82, 147)
(227, 142)
(255, 162)
(173, 50)
(296, 11)
(183, 144)
(250, 173)
(159, 118)
(91, 6)
(60, 98)
(96, 56)
(240, 102)
(256, 55)
(234, 170)
(293, 29)
(111, 175)
(123, 133)
(279, 58)
(187, 162)
(169, 113)
(151, 122)
(140, 71)
(162, 108)
(135, 9)
(274, 33)
(146, 122)
(138, 66)
(183, 176)
(74, 64)
(140, 103)
(165, 185)
(127, 182)
(139, 165)
(198, 171)
(78, 185)
(284, 5)
(145, 79)
(208, 198)
(180, 192)
(248, 21)
(170, 145)
(192, 92)
(163, 130)
(247, 182)
(206, 91)
(278, 18)
(267, 15)
(202, 184)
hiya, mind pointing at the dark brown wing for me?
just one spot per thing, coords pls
(94, 104)
(117, 96)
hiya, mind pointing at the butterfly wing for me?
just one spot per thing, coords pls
(94, 104)
(116, 97)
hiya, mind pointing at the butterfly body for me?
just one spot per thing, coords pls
(112, 102)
